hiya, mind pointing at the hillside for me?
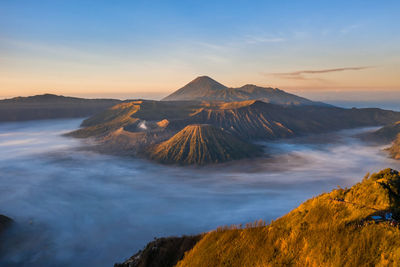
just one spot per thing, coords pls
(50, 106)
(387, 134)
(201, 144)
(394, 149)
(347, 227)
(135, 116)
(109, 120)
(383, 135)
(206, 89)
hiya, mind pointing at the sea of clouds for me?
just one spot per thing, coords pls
(74, 207)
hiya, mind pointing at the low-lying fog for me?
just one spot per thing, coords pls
(78, 208)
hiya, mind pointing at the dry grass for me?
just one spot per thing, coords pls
(320, 232)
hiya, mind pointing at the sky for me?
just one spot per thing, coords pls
(324, 50)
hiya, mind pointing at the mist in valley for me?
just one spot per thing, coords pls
(74, 207)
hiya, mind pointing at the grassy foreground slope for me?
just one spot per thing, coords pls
(333, 229)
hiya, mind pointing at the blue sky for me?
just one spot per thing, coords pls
(149, 48)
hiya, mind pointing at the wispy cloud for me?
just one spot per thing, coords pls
(259, 39)
(302, 74)
(238, 42)
(210, 46)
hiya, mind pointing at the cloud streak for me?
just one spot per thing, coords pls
(302, 74)
(259, 40)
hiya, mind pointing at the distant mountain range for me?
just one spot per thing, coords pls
(206, 89)
(50, 106)
(241, 115)
(138, 126)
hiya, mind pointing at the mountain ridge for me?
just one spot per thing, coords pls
(388, 134)
(204, 88)
(133, 127)
(50, 106)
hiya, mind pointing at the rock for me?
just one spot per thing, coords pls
(161, 252)
(5, 223)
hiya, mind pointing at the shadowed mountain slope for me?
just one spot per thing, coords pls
(135, 116)
(200, 144)
(387, 134)
(384, 135)
(394, 149)
(50, 106)
(247, 119)
(110, 120)
(347, 227)
(259, 120)
(206, 89)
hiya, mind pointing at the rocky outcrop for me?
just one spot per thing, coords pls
(5, 223)
(161, 252)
